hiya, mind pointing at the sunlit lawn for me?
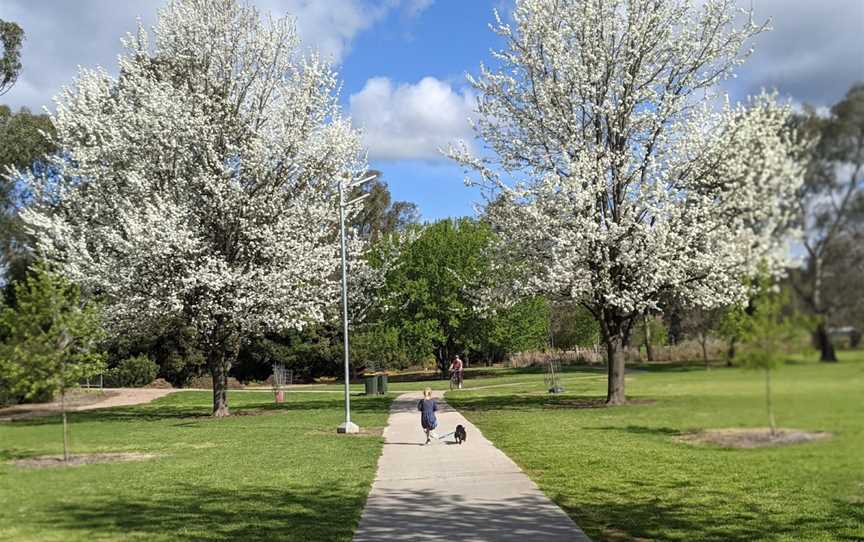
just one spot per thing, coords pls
(621, 474)
(264, 474)
(283, 474)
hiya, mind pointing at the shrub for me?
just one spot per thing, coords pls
(160, 383)
(134, 372)
(206, 382)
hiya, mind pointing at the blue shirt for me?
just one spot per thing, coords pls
(428, 407)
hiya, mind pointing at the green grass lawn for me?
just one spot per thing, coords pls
(620, 473)
(271, 473)
(264, 474)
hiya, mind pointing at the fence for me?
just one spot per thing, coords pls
(95, 382)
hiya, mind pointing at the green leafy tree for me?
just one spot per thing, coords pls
(521, 327)
(831, 213)
(573, 325)
(51, 340)
(380, 215)
(701, 323)
(731, 327)
(432, 285)
(431, 294)
(133, 372)
(11, 39)
(25, 138)
(650, 332)
(170, 344)
(378, 347)
(768, 332)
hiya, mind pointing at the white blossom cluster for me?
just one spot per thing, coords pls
(202, 182)
(631, 183)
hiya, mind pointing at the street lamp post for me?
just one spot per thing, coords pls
(348, 426)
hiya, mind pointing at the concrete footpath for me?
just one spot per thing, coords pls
(444, 491)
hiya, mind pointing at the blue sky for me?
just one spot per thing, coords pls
(403, 63)
(444, 41)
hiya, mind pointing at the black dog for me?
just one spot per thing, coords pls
(460, 434)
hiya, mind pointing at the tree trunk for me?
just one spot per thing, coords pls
(219, 372)
(823, 341)
(649, 350)
(730, 353)
(65, 425)
(443, 359)
(615, 366)
(768, 402)
(703, 340)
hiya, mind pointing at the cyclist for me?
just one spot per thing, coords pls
(456, 371)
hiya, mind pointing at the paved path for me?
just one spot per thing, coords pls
(443, 491)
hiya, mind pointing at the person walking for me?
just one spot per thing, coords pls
(428, 407)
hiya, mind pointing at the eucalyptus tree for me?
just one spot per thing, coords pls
(620, 176)
(832, 213)
(11, 38)
(199, 184)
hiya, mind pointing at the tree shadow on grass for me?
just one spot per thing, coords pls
(606, 516)
(641, 430)
(161, 412)
(11, 454)
(206, 514)
(536, 402)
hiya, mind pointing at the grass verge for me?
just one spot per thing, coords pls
(266, 473)
(622, 474)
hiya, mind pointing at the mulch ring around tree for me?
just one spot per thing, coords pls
(46, 461)
(754, 437)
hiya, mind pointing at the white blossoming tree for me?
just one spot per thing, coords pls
(619, 180)
(201, 182)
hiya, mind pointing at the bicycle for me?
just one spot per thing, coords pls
(456, 379)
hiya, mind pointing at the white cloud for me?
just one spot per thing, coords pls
(408, 121)
(813, 53)
(330, 26)
(62, 35)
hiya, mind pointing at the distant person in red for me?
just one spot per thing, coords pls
(456, 368)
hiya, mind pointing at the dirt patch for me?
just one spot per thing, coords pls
(47, 461)
(758, 437)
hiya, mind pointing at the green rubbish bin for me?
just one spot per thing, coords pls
(371, 382)
(382, 383)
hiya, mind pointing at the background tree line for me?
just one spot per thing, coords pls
(427, 310)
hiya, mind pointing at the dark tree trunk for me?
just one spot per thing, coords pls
(730, 353)
(442, 357)
(703, 340)
(219, 367)
(823, 342)
(615, 330)
(649, 350)
(615, 367)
